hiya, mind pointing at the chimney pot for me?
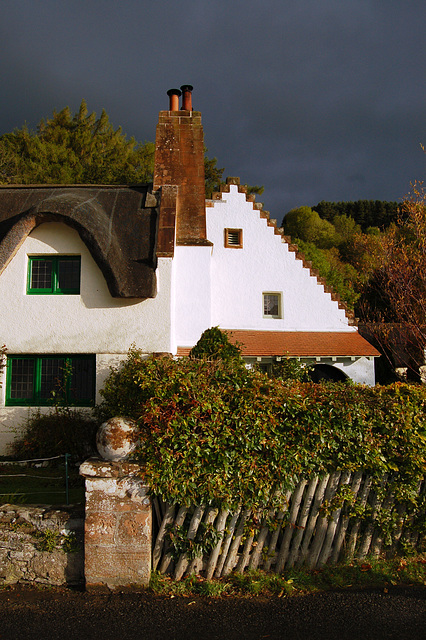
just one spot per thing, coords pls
(187, 97)
(174, 95)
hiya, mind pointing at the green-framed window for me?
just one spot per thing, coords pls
(53, 274)
(44, 380)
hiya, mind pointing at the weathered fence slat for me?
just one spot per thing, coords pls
(260, 542)
(232, 554)
(159, 543)
(369, 530)
(227, 542)
(220, 527)
(377, 541)
(275, 534)
(182, 563)
(332, 525)
(167, 558)
(290, 528)
(245, 556)
(344, 520)
(353, 537)
(197, 562)
(310, 527)
(409, 536)
(301, 525)
(322, 523)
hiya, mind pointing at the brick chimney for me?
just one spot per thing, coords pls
(179, 172)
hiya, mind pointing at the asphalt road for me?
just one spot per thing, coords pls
(59, 614)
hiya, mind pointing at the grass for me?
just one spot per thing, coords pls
(368, 573)
(46, 485)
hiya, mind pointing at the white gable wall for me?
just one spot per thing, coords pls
(264, 264)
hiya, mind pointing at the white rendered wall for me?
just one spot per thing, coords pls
(360, 370)
(264, 264)
(191, 293)
(92, 322)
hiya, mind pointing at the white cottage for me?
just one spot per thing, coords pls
(86, 271)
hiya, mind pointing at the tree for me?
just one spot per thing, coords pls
(366, 213)
(84, 149)
(74, 149)
(305, 224)
(396, 292)
(341, 276)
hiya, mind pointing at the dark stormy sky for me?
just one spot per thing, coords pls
(314, 99)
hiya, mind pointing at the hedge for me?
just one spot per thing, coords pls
(213, 432)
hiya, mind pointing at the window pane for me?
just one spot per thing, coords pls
(69, 274)
(22, 379)
(41, 274)
(81, 387)
(51, 377)
(271, 304)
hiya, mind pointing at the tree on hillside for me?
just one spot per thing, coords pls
(366, 213)
(84, 149)
(305, 224)
(396, 292)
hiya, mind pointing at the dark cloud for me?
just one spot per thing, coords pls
(314, 100)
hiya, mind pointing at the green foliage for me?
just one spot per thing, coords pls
(366, 213)
(49, 540)
(213, 175)
(291, 369)
(214, 181)
(305, 224)
(79, 148)
(214, 433)
(2, 360)
(61, 431)
(369, 572)
(214, 344)
(206, 539)
(83, 149)
(341, 276)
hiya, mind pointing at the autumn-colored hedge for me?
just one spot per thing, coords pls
(214, 432)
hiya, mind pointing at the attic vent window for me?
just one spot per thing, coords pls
(234, 238)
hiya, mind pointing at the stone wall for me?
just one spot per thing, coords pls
(41, 544)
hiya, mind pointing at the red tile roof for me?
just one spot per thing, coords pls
(299, 344)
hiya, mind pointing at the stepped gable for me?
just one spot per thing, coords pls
(279, 231)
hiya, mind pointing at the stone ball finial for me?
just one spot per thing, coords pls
(117, 438)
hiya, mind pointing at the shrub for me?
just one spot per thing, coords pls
(61, 431)
(214, 344)
(214, 432)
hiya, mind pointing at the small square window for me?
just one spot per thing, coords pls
(54, 274)
(234, 238)
(272, 305)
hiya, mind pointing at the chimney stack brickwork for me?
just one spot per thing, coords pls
(179, 173)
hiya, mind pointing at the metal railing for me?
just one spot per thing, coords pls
(35, 461)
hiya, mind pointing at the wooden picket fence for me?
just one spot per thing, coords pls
(301, 534)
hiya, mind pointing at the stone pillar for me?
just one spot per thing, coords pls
(118, 525)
